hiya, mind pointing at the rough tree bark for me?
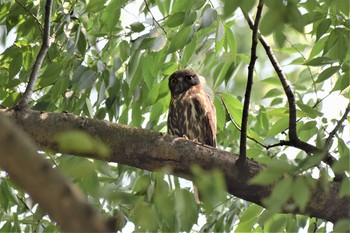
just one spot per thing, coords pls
(55, 194)
(153, 150)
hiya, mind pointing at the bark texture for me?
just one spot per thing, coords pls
(55, 194)
(153, 150)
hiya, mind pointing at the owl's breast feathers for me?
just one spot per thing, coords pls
(193, 115)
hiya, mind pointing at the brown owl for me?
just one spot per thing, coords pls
(191, 111)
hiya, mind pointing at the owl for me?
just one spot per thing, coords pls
(191, 112)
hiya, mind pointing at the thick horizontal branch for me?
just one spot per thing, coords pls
(153, 150)
(56, 195)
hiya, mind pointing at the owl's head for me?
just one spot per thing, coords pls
(182, 80)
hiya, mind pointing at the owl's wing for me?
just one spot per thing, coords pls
(206, 116)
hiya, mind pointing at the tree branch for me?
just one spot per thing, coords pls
(336, 128)
(31, 14)
(23, 103)
(248, 90)
(149, 10)
(152, 150)
(55, 194)
(283, 79)
(237, 127)
(293, 137)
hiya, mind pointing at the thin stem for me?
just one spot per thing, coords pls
(308, 67)
(288, 91)
(31, 14)
(149, 10)
(245, 114)
(294, 141)
(236, 126)
(336, 128)
(23, 103)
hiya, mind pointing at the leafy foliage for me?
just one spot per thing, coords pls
(111, 59)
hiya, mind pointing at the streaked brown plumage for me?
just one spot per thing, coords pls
(191, 111)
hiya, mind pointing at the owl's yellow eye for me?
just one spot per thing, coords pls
(173, 80)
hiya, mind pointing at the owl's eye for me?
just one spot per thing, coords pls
(173, 80)
(188, 77)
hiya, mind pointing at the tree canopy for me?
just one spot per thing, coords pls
(84, 98)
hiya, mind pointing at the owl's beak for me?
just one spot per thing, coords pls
(180, 85)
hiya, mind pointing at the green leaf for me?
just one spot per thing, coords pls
(311, 112)
(280, 194)
(265, 177)
(327, 73)
(323, 28)
(230, 7)
(342, 83)
(137, 27)
(143, 215)
(83, 77)
(15, 65)
(159, 43)
(95, 6)
(111, 14)
(80, 142)
(301, 192)
(318, 47)
(273, 93)
(278, 127)
(342, 164)
(234, 107)
(175, 20)
(180, 6)
(220, 113)
(189, 50)
(251, 213)
(231, 42)
(81, 45)
(186, 209)
(308, 126)
(345, 188)
(209, 17)
(276, 223)
(269, 22)
(320, 61)
(180, 39)
(50, 75)
(343, 6)
(342, 225)
(219, 37)
(157, 110)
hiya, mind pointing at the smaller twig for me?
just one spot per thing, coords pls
(308, 67)
(245, 114)
(64, 21)
(336, 128)
(32, 15)
(320, 100)
(236, 126)
(23, 103)
(154, 19)
(308, 148)
(283, 79)
(315, 226)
